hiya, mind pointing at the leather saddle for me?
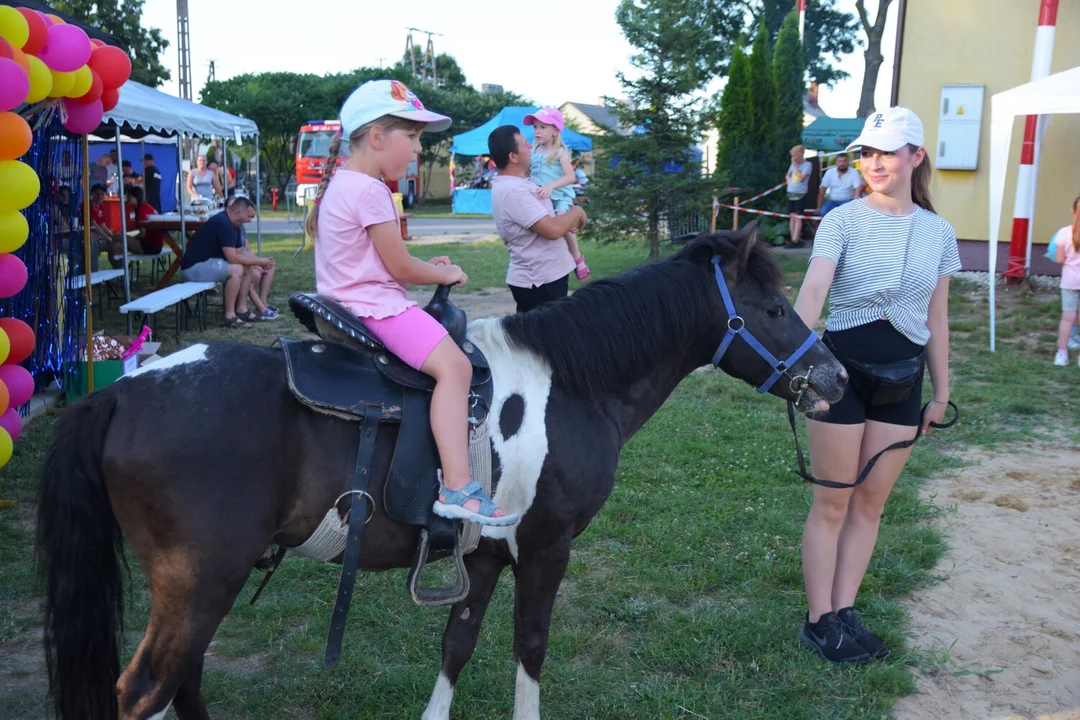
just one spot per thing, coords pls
(348, 373)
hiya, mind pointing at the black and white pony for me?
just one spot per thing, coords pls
(573, 381)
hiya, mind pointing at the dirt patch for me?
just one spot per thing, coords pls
(1000, 633)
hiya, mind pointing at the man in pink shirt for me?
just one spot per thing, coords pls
(540, 263)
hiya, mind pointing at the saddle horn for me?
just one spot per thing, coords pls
(449, 315)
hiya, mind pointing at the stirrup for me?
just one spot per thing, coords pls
(434, 597)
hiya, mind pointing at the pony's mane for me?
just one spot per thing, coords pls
(620, 327)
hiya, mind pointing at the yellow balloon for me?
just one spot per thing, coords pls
(5, 346)
(13, 231)
(62, 82)
(41, 81)
(6, 446)
(83, 81)
(19, 185)
(13, 27)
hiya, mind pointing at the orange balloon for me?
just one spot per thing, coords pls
(15, 136)
(55, 19)
(5, 397)
(20, 57)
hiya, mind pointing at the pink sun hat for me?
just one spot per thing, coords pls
(548, 116)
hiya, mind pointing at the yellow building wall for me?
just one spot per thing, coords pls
(991, 44)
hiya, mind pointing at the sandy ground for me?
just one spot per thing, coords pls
(1001, 630)
(492, 302)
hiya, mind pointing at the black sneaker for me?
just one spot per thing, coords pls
(853, 624)
(829, 639)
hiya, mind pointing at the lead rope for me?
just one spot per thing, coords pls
(865, 473)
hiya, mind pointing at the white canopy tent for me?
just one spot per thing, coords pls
(143, 111)
(1051, 95)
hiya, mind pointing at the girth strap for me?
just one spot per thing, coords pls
(865, 473)
(358, 514)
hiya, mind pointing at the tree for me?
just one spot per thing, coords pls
(872, 55)
(279, 103)
(762, 135)
(790, 85)
(734, 156)
(830, 34)
(680, 46)
(123, 20)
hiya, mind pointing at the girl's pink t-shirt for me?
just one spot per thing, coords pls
(347, 265)
(1070, 270)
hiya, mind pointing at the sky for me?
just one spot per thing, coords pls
(330, 36)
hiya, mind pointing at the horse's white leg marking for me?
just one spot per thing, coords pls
(526, 696)
(160, 715)
(189, 355)
(515, 372)
(438, 708)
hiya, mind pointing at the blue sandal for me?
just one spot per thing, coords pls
(454, 507)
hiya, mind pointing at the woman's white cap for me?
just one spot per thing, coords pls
(889, 130)
(377, 98)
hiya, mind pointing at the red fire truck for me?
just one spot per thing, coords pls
(312, 149)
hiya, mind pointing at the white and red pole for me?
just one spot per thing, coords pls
(802, 19)
(1028, 175)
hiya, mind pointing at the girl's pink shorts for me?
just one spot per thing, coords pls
(410, 335)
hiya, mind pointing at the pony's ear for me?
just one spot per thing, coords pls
(747, 243)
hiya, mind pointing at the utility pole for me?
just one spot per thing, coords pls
(429, 56)
(211, 75)
(183, 45)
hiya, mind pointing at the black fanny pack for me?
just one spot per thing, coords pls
(882, 383)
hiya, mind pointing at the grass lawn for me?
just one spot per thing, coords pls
(683, 597)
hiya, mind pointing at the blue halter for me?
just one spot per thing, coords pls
(737, 326)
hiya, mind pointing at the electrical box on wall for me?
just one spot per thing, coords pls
(959, 127)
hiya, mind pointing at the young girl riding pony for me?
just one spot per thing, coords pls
(552, 171)
(362, 262)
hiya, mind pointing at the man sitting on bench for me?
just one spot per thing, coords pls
(213, 255)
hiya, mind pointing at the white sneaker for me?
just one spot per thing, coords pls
(1074, 342)
(1061, 359)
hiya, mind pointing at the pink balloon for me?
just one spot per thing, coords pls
(14, 84)
(12, 275)
(20, 384)
(81, 119)
(11, 422)
(67, 48)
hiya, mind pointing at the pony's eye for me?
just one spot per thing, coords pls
(775, 313)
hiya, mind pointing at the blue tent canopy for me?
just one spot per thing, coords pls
(475, 141)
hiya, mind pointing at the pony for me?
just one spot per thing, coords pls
(572, 382)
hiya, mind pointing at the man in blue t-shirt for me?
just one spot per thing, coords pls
(214, 255)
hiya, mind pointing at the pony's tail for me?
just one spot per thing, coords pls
(79, 553)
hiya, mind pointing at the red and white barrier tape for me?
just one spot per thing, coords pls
(765, 212)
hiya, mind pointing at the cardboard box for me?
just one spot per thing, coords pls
(106, 372)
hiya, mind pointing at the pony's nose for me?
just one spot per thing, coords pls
(841, 377)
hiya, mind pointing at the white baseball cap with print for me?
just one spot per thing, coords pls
(889, 130)
(377, 98)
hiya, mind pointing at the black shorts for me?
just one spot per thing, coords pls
(529, 298)
(796, 207)
(877, 342)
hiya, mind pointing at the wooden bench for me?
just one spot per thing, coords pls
(173, 296)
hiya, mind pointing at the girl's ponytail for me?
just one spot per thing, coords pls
(1076, 225)
(312, 225)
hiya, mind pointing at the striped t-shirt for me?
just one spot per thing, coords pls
(887, 266)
